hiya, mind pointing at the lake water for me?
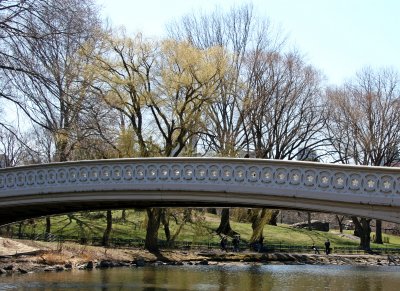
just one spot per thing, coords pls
(245, 277)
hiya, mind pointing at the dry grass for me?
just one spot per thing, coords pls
(53, 258)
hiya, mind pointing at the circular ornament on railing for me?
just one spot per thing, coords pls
(188, 172)
(128, 173)
(355, 182)
(20, 179)
(116, 173)
(324, 179)
(339, 180)
(51, 177)
(94, 174)
(309, 178)
(163, 172)
(2, 181)
(151, 172)
(83, 175)
(105, 173)
(267, 175)
(72, 175)
(140, 172)
(253, 174)
(201, 172)
(281, 176)
(176, 172)
(213, 173)
(227, 173)
(10, 180)
(61, 176)
(239, 173)
(40, 177)
(295, 177)
(398, 185)
(386, 184)
(370, 183)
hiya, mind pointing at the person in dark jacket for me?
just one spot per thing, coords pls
(327, 247)
(223, 243)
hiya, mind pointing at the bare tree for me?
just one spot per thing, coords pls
(13, 21)
(12, 148)
(43, 66)
(14, 18)
(364, 126)
(51, 88)
(340, 222)
(239, 31)
(283, 114)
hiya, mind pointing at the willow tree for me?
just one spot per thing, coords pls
(161, 88)
(364, 126)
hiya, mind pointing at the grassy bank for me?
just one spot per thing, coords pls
(201, 230)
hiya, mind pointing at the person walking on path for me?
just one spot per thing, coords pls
(236, 242)
(224, 243)
(315, 249)
(327, 246)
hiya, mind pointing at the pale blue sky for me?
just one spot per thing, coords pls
(339, 37)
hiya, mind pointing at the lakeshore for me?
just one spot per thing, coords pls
(23, 256)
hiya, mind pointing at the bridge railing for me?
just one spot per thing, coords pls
(250, 173)
(372, 192)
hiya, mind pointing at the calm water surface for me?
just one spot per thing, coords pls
(213, 278)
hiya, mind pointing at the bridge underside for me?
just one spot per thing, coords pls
(33, 206)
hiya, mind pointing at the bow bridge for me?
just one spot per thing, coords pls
(38, 190)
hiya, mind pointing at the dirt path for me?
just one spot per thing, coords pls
(9, 247)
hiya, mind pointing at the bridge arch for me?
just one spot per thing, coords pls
(38, 190)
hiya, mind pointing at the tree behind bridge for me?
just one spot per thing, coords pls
(161, 88)
(364, 127)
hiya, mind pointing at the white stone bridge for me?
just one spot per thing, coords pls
(38, 190)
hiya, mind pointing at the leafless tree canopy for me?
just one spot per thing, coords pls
(50, 86)
(364, 121)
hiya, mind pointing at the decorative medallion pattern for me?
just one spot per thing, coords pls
(285, 174)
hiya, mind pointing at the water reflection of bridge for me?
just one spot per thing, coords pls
(38, 190)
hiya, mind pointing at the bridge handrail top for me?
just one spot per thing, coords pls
(255, 161)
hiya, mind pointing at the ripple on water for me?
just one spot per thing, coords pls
(241, 277)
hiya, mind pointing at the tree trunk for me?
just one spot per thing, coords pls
(165, 222)
(258, 220)
(48, 227)
(340, 223)
(274, 217)
(123, 215)
(107, 231)
(309, 220)
(378, 231)
(153, 225)
(225, 225)
(20, 229)
(363, 230)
